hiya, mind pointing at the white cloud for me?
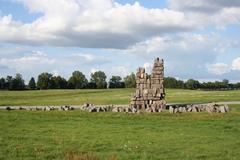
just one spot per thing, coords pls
(88, 24)
(204, 6)
(236, 64)
(209, 12)
(27, 63)
(86, 58)
(93, 70)
(122, 71)
(185, 55)
(148, 67)
(218, 68)
(184, 43)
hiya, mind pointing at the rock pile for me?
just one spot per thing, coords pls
(93, 108)
(211, 108)
(41, 108)
(150, 94)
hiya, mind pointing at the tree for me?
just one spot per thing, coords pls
(77, 80)
(130, 81)
(58, 82)
(44, 80)
(237, 85)
(2, 83)
(181, 84)
(116, 82)
(192, 84)
(8, 82)
(17, 83)
(99, 78)
(225, 83)
(170, 82)
(32, 84)
(91, 85)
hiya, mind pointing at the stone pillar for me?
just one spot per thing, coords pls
(150, 91)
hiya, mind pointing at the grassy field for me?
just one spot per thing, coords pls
(110, 96)
(78, 135)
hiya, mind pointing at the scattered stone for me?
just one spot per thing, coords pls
(8, 108)
(115, 109)
(171, 109)
(21, 108)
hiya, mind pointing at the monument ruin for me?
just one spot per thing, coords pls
(150, 93)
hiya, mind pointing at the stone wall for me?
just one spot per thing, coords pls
(150, 94)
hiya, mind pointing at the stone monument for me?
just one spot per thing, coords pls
(150, 93)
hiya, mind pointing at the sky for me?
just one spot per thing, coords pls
(197, 39)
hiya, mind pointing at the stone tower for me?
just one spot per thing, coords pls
(150, 93)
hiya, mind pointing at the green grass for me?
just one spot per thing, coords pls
(77, 134)
(110, 96)
(57, 134)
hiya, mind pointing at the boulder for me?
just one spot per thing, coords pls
(134, 110)
(180, 109)
(226, 108)
(115, 109)
(148, 110)
(171, 110)
(175, 110)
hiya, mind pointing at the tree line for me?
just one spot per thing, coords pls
(77, 80)
(171, 82)
(98, 80)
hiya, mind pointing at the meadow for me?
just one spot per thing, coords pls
(108, 96)
(79, 135)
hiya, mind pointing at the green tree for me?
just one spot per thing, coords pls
(99, 78)
(192, 84)
(32, 84)
(91, 85)
(44, 81)
(116, 82)
(77, 81)
(17, 83)
(130, 81)
(170, 82)
(58, 82)
(225, 83)
(8, 82)
(181, 84)
(237, 85)
(2, 83)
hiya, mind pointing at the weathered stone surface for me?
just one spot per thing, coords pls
(171, 109)
(150, 94)
(115, 109)
(211, 108)
(222, 109)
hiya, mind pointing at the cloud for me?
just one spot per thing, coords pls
(88, 24)
(32, 63)
(209, 12)
(218, 68)
(122, 71)
(236, 64)
(185, 55)
(26, 63)
(148, 67)
(85, 58)
(11, 52)
(204, 6)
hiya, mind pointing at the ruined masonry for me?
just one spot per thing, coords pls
(150, 94)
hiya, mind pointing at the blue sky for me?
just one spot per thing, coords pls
(196, 38)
